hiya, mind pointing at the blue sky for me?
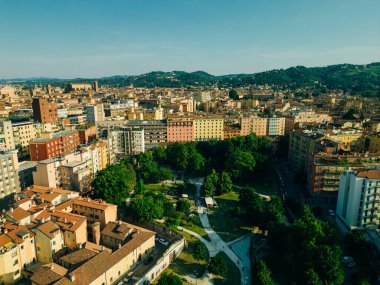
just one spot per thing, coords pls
(90, 38)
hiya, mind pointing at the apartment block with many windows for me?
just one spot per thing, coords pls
(358, 203)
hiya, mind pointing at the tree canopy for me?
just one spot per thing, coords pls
(169, 279)
(115, 182)
(261, 274)
(233, 94)
(147, 208)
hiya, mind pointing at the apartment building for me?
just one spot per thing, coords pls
(231, 132)
(302, 145)
(7, 141)
(245, 126)
(276, 126)
(311, 117)
(127, 141)
(96, 156)
(57, 144)
(358, 203)
(155, 131)
(49, 240)
(259, 126)
(94, 210)
(44, 111)
(74, 170)
(76, 175)
(9, 181)
(87, 134)
(208, 128)
(23, 133)
(73, 227)
(17, 250)
(153, 114)
(95, 113)
(326, 168)
(180, 129)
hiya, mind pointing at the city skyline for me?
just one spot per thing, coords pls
(70, 39)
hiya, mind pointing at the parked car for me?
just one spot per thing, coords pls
(148, 260)
(331, 212)
(163, 241)
(347, 259)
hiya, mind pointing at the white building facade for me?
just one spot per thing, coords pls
(358, 203)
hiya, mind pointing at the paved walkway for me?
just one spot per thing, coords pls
(216, 244)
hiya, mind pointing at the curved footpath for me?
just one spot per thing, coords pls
(216, 244)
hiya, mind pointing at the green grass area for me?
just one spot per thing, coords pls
(194, 224)
(232, 275)
(185, 264)
(157, 187)
(228, 225)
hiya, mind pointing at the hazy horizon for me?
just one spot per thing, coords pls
(92, 39)
(112, 75)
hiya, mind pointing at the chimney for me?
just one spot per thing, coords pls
(42, 220)
(11, 210)
(72, 278)
(119, 245)
(119, 222)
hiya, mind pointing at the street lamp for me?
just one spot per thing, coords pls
(196, 277)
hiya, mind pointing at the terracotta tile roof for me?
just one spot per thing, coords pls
(46, 189)
(116, 230)
(95, 247)
(49, 228)
(48, 196)
(89, 271)
(64, 220)
(101, 205)
(22, 201)
(17, 234)
(38, 208)
(98, 265)
(79, 256)
(48, 275)
(18, 214)
(370, 174)
(66, 204)
(4, 239)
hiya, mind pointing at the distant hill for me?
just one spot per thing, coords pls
(363, 79)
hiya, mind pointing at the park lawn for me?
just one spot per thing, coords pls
(228, 226)
(157, 187)
(232, 276)
(194, 224)
(185, 264)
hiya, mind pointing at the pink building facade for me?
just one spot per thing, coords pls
(180, 129)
